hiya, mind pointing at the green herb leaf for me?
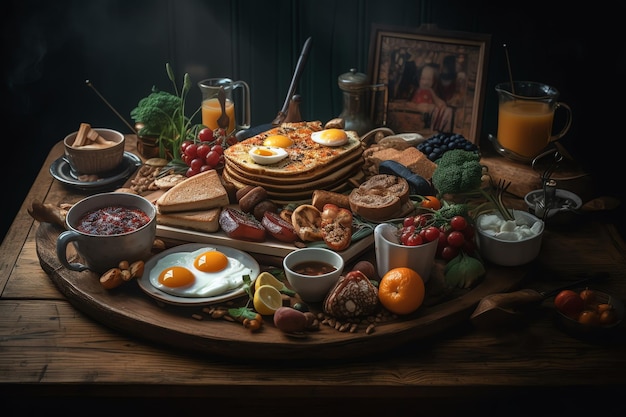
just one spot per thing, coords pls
(242, 313)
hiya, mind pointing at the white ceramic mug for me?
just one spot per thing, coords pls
(390, 253)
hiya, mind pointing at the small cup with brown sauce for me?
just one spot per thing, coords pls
(312, 272)
(105, 229)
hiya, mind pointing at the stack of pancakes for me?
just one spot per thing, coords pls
(309, 166)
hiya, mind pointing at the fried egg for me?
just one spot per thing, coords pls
(330, 137)
(280, 141)
(205, 272)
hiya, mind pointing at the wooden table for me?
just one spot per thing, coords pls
(51, 353)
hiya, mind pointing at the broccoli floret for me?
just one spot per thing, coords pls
(458, 171)
(448, 211)
(155, 111)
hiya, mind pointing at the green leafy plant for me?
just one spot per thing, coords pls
(162, 114)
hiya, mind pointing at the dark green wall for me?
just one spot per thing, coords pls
(51, 47)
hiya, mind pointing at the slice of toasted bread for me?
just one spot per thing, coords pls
(410, 157)
(201, 192)
(200, 220)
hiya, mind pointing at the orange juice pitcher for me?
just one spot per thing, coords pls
(526, 116)
(237, 104)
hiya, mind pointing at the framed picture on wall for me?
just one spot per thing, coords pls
(435, 79)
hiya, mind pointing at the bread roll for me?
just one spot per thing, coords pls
(380, 198)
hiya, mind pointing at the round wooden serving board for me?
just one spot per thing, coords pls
(130, 310)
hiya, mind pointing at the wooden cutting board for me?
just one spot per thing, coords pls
(129, 310)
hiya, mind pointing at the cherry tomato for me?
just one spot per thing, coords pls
(191, 150)
(431, 233)
(191, 172)
(469, 232)
(196, 164)
(184, 145)
(569, 303)
(449, 252)
(212, 159)
(458, 223)
(414, 240)
(202, 150)
(408, 221)
(431, 202)
(218, 148)
(421, 220)
(205, 135)
(456, 239)
(442, 243)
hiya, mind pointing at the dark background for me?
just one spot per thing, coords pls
(50, 48)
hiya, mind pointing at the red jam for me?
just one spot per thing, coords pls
(113, 220)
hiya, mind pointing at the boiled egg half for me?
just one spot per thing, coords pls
(267, 155)
(205, 272)
(330, 137)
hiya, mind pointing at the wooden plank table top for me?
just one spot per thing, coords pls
(54, 353)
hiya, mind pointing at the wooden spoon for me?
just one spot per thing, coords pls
(223, 120)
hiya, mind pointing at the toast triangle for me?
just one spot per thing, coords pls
(201, 192)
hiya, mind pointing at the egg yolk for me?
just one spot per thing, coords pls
(264, 152)
(211, 261)
(279, 141)
(332, 135)
(176, 276)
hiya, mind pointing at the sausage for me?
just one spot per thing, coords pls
(322, 197)
(252, 198)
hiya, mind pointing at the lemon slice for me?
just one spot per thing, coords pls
(267, 300)
(266, 278)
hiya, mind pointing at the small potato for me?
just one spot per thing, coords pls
(290, 320)
(112, 278)
(366, 267)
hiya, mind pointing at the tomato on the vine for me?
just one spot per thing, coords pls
(456, 239)
(431, 202)
(449, 252)
(414, 240)
(213, 158)
(202, 150)
(191, 150)
(458, 223)
(205, 135)
(431, 233)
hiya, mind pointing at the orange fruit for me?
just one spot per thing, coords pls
(401, 290)
(431, 202)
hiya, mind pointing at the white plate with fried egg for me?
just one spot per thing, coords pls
(196, 274)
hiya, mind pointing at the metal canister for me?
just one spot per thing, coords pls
(356, 98)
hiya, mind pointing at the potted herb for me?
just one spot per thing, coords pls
(160, 116)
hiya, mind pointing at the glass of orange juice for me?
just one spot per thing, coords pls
(526, 117)
(237, 106)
